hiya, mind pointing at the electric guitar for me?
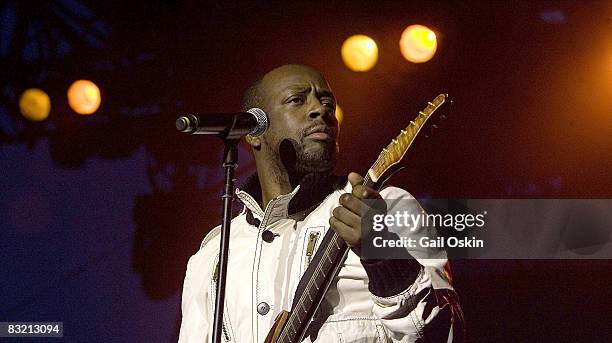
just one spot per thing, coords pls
(291, 327)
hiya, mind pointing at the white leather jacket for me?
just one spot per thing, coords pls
(263, 276)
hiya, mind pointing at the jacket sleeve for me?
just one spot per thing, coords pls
(193, 323)
(413, 298)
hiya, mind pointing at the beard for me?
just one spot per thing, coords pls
(315, 157)
(300, 158)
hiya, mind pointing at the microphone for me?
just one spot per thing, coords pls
(253, 122)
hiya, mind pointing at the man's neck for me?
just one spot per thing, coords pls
(267, 184)
(274, 181)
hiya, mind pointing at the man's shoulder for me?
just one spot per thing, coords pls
(207, 249)
(210, 236)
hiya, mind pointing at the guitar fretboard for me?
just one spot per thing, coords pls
(319, 275)
(323, 269)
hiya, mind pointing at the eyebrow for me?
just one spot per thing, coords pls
(301, 89)
(304, 89)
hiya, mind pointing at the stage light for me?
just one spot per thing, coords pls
(359, 53)
(418, 43)
(339, 115)
(35, 104)
(84, 97)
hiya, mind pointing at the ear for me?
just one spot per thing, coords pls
(254, 142)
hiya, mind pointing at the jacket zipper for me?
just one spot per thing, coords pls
(312, 243)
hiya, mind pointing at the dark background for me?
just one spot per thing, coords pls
(99, 214)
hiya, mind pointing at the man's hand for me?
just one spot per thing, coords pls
(346, 218)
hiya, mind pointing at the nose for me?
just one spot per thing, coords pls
(319, 110)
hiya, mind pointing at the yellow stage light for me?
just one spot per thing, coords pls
(35, 104)
(84, 97)
(418, 43)
(339, 115)
(359, 53)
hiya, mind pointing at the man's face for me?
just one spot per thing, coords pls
(301, 108)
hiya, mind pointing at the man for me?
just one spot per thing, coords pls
(289, 204)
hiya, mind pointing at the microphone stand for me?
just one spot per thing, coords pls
(230, 161)
(230, 129)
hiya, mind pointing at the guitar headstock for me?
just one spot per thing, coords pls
(395, 151)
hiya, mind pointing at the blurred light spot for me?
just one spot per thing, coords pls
(359, 53)
(84, 97)
(553, 16)
(35, 104)
(418, 43)
(339, 115)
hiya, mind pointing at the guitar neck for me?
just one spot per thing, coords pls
(333, 250)
(316, 281)
(322, 270)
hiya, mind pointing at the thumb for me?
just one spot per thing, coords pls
(355, 179)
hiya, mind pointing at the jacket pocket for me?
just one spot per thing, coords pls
(352, 329)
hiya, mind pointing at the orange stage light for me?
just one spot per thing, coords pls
(418, 43)
(84, 97)
(35, 104)
(359, 53)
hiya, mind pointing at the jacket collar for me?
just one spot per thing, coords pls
(311, 191)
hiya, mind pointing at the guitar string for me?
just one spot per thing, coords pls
(326, 253)
(307, 289)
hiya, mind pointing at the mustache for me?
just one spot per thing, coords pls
(321, 127)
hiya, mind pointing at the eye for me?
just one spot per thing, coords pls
(328, 103)
(296, 100)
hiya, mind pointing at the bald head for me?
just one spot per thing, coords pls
(255, 94)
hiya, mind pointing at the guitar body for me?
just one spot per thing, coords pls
(276, 329)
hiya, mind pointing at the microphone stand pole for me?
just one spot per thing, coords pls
(230, 161)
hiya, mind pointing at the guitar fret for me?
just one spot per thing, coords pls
(319, 268)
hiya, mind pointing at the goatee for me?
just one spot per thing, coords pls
(297, 160)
